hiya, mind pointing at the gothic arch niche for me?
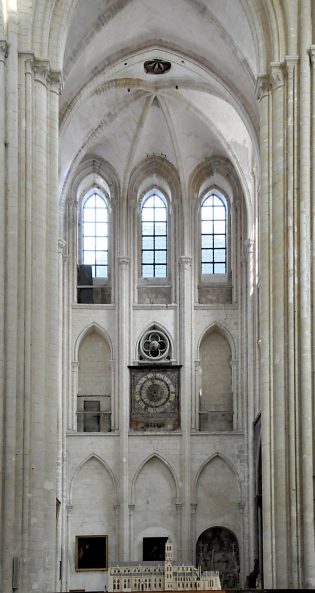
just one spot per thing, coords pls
(155, 494)
(217, 493)
(94, 383)
(93, 499)
(216, 395)
(217, 549)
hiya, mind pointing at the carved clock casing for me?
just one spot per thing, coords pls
(154, 398)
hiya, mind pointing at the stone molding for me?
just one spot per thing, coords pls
(4, 50)
(62, 247)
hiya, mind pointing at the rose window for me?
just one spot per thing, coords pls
(154, 346)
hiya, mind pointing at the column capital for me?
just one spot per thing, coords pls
(62, 247)
(249, 247)
(116, 507)
(311, 52)
(193, 507)
(69, 508)
(123, 261)
(3, 50)
(131, 507)
(179, 507)
(277, 75)
(41, 71)
(56, 81)
(75, 365)
(263, 86)
(185, 261)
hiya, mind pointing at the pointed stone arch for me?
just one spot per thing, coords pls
(230, 465)
(92, 456)
(223, 330)
(140, 468)
(94, 326)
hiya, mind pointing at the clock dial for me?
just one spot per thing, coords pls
(154, 392)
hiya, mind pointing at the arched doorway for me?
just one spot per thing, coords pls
(217, 549)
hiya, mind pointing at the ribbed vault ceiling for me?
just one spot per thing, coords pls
(204, 106)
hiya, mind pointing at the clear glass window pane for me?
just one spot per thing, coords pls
(101, 243)
(219, 241)
(206, 241)
(148, 214)
(160, 228)
(148, 257)
(219, 268)
(99, 202)
(89, 258)
(148, 228)
(219, 255)
(160, 243)
(101, 257)
(160, 271)
(206, 227)
(219, 227)
(101, 271)
(160, 257)
(101, 229)
(101, 215)
(90, 202)
(89, 243)
(89, 215)
(147, 271)
(89, 229)
(160, 214)
(206, 269)
(147, 243)
(206, 255)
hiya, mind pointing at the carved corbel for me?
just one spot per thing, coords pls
(56, 81)
(263, 86)
(277, 75)
(41, 71)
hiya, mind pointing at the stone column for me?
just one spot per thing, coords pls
(291, 329)
(116, 508)
(73, 405)
(195, 416)
(306, 269)
(193, 510)
(278, 307)
(263, 95)
(131, 533)
(10, 428)
(249, 549)
(185, 333)
(3, 56)
(123, 396)
(179, 529)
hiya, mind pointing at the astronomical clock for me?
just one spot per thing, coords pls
(154, 386)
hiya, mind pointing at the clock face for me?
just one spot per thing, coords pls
(154, 392)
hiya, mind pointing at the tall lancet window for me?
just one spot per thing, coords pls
(154, 235)
(95, 223)
(213, 234)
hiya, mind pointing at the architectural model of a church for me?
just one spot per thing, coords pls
(161, 576)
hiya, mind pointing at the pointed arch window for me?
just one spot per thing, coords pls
(214, 234)
(95, 233)
(154, 235)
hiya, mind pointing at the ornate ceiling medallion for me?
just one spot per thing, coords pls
(157, 66)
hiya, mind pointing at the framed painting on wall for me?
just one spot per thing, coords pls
(91, 552)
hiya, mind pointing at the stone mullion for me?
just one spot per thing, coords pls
(3, 56)
(123, 391)
(291, 62)
(305, 305)
(185, 332)
(278, 303)
(11, 301)
(39, 335)
(263, 88)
